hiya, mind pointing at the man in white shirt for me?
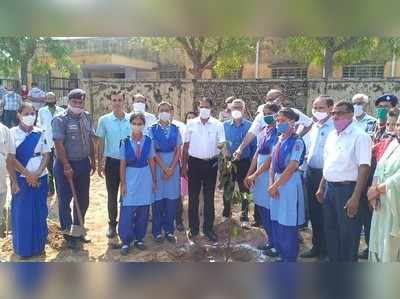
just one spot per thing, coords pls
(203, 140)
(347, 160)
(6, 148)
(323, 125)
(46, 115)
(139, 106)
(276, 96)
(36, 96)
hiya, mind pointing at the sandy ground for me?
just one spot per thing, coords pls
(244, 242)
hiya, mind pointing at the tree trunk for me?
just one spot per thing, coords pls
(197, 72)
(24, 73)
(328, 63)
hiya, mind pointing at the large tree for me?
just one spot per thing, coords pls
(43, 53)
(222, 54)
(330, 50)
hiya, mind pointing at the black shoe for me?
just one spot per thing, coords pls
(73, 243)
(312, 253)
(140, 245)
(364, 255)
(85, 240)
(170, 238)
(256, 224)
(180, 227)
(264, 246)
(211, 236)
(112, 231)
(124, 250)
(271, 252)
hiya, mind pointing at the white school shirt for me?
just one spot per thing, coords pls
(258, 123)
(6, 147)
(204, 138)
(345, 152)
(44, 122)
(18, 135)
(181, 126)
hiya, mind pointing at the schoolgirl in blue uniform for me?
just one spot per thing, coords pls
(258, 175)
(138, 184)
(286, 188)
(167, 141)
(29, 205)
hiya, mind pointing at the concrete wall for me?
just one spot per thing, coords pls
(182, 93)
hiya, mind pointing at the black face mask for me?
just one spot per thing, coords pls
(51, 104)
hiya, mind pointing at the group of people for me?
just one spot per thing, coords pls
(339, 169)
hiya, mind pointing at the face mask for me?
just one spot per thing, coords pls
(204, 113)
(269, 119)
(75, 110)
(282, 127)
(10, 91)
(236, 114)
(139, 107)
(341, 124)
(381, 113)
(165, 116)
(28, 120)
(319, 115)
(358, 110)
(51, 104)
(137, 129)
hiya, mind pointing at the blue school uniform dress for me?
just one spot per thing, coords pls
(289, 211)
(267, 140)
(139, 196)
(29, 206)
(166, 140)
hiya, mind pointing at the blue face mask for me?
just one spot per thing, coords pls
(282, 127)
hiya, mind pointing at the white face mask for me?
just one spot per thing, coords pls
(236, 114)
(28, 120)
(204, 113)
(139, 107)
(358, 110)
(137, 129)
(319, 115)
(165, 116)
(75, 110)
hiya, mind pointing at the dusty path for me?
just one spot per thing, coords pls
(244, 242)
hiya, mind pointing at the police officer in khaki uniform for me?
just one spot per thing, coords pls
(73, 136)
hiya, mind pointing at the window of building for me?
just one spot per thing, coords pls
(286, 72)
(363, 71)
(172, 72)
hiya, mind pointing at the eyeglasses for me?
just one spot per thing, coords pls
(29, 114)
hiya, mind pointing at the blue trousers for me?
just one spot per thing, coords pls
(288, 242)
(163, 214)
(266, 222)
(275, 234)
(133, 223)
(82, 184)
(342, 233)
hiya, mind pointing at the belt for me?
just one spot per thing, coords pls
(344, 183)
(36, 155)
(314, 169)
(205, 160)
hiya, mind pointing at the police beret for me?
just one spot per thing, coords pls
(387, 98)
(77, 94)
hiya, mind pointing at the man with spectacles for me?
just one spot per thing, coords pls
(347, 160)
(111, 130)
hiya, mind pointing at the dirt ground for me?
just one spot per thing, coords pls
(244, 242)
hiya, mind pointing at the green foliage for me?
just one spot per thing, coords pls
(17, 52)
(346, 49)
(223, 54)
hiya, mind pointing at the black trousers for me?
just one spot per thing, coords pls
(342, 232)
(50, 168)
(179, 212)
(112, 184)
(239, 176)
(201, 173)
(313, 180)
(365, 211)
